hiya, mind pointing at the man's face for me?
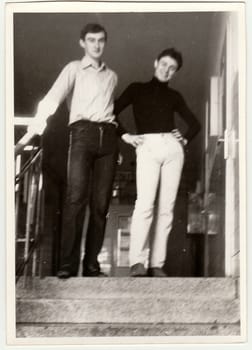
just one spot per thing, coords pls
(165, 68)
(94, 44)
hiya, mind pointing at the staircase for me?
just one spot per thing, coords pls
(80, 307)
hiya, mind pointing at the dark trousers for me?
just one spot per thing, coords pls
(92, 158)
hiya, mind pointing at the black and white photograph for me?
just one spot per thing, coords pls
(126, 163)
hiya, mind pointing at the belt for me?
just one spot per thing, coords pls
(89, 122)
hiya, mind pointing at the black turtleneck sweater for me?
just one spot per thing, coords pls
(154, 104)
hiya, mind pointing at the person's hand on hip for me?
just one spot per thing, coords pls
(133, 140)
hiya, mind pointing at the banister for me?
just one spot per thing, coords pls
(29, 202)
(28, 165)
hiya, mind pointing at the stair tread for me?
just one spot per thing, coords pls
(121, 329)
(117, 310)
(128, 300)
(104, 288)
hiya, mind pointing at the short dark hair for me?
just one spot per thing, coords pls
(172, 53)
(92, 28)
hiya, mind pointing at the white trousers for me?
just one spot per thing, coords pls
(160, 161)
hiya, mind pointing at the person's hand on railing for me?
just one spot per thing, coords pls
(36, 127)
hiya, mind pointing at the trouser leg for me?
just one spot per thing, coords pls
(147, 178)
(103, 176)
(169, 183)
(79, 165)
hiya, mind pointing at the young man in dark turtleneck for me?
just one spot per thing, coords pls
(160, 158)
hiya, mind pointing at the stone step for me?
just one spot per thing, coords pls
(105, 288)
(121, 329)
(127, 306)
(123, 310)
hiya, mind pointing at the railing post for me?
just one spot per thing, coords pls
(38, 214)
(29, 188)
(17, 193)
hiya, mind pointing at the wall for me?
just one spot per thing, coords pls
(225, 178)
(233, 166)
(215, 254)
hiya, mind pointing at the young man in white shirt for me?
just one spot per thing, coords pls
(89, 86)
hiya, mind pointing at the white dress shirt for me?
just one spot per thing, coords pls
(89, 92)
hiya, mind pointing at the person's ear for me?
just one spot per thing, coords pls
(82, 43)
(155, 64)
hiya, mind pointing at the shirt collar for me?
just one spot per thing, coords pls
(87, 62)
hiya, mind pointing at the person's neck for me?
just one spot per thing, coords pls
(156, 80)
(96, 63)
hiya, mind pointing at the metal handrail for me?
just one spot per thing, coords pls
(28, 165)
(29, 200)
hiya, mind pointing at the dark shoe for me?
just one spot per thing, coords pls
(101, 274)
(67, 271)
(156, 272)
(93, 273)
(92, 270)
(138, 270)
(64, 274)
